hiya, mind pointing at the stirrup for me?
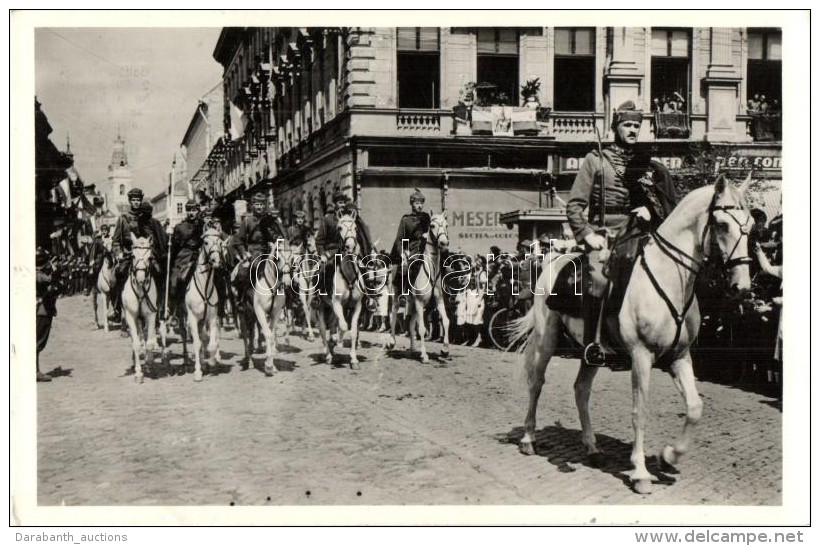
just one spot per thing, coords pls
(594, 355)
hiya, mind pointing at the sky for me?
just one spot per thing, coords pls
(143, 82)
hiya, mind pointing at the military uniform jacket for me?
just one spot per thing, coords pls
(141, 226)
(631, 180)
(298, 235)
(256, 232)
(327, 238)
(185, 243)
(413, 227)
(47, 291)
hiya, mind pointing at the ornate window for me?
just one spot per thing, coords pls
(574, 70)
(418, 59)
(497, 66)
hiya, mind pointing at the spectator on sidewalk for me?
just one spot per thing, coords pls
(47, 288)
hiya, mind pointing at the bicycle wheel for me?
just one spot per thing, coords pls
(498, 328)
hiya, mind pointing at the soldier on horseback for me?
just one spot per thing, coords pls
(185, 242)
(329, 245)
(619, 188)
(139, 221)
(413, 227)
(299, 233)
(256, 232)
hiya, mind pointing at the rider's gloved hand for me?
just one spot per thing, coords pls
(595, 241)
(642, 213)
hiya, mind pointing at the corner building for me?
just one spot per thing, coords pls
(376, 112)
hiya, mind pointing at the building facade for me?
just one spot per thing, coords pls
(172, 210)
(485, 120)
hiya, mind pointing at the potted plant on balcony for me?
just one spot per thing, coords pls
(529, 92)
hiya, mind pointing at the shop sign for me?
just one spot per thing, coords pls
(746, 162)
(573, 164)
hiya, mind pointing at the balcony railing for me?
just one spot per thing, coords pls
(531, 122)
(765, 126)
(671, 125)
(421, 121)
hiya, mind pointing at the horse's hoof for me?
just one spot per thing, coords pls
(354, 365)
(596, 460)
(269, 370)
(311, 339)
(667, 459)
(329, 359)
(445, 353)
(642, 487)
(198, 376)
(526, 448)
(138, 379)
(425, 359)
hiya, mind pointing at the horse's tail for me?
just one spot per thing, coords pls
(522, 328)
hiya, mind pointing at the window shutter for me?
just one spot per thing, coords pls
(755, 45)
(508, 41)
(659, 43)
(486, 40)
(773, 51)
(563, 41)
(584, 41)
(417, 38)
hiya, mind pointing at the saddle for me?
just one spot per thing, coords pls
(602, 284)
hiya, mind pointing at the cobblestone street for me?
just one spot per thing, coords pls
(395, 432)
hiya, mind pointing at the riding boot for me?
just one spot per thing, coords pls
(593, 352)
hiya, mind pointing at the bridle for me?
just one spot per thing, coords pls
(347, 230)
(209, 249)
(681, 258)
(438, 231)
(142, 259)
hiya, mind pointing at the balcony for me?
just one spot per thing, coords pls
(671, 125)
(765, 126)
(527, 122)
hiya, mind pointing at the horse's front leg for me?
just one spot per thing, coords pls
(214, 334)
(193, 327)
(338, 310)
(323, 334)
(354, 333)
(419, 317)
(261, 306)
(641, 367)
(106, 310)
(306, 302)
(445, 326)
(394, 313)
(684, 379)
(136, 345)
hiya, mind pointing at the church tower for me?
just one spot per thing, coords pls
(119, 179)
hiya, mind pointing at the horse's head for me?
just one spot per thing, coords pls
(438, 230)
(347, 228)
(310, 244)
(730, 222)
(212, 246)
(143, 257)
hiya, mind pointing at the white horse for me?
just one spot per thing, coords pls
(344, 293)
(428, 283)
(305, 280)
(105, 281)
(268, 302)
(202, 302)
(139, 301)
(659, 317)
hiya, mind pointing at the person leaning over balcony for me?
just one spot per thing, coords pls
(635, 187)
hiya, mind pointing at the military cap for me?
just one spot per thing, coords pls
(299, 214)
(135, 192)
(191, 205)
(626, 112)
(544, 239)
(525, 243)
(259, 198)
(340, 196)
(416, 196)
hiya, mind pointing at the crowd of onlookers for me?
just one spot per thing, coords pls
(741, 342)
(669, 103)
(759, 104)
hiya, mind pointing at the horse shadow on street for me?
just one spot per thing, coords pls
(281, 365)
(563, 449)
(440, 360)
(340, 360)
(59, 371)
